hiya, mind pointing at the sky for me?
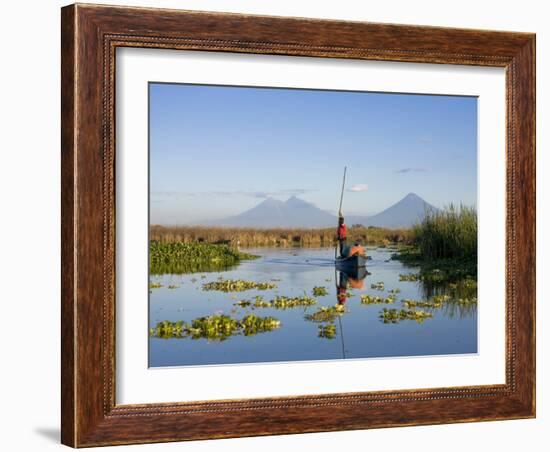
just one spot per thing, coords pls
(216, 151)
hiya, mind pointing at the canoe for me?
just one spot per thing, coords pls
(351, 263)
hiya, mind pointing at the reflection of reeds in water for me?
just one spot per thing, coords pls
(453, 299)
(454, 308)
(281, 237)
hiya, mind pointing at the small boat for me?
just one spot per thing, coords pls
(351, 263)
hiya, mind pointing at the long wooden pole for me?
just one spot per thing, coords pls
(340, 207)
(342, 192)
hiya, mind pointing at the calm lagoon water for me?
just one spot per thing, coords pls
(359, 332)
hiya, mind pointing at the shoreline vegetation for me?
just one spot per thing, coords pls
(442, 249)
(443, 245)
(276, 237)
(180, 258)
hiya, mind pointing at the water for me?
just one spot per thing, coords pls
(360, 333)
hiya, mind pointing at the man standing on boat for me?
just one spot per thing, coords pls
(342, 233)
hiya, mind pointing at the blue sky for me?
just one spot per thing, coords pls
(216, 151)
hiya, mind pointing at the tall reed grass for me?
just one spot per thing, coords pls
(450, 233)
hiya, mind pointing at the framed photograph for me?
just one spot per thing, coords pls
(281, 225)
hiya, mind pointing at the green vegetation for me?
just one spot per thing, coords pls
(154, 285)
(282, 302)
(409, 277)
(460, 295)
(443, 245)
(279, 302)
(214, 327)
(441, 298)
(243, 303)
(447, 234)
(422, 304)
(237, 285)
(397, 315)
(259, 302)
(375, 299)
(280, 237)
(467, 301)
(320, 291)
(378, 286)
(251, 324)
(326, 314)
(327, 331)
(179, 257)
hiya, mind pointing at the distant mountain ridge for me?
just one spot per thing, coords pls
(295, 212)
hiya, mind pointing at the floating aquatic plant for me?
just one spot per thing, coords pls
(441, 298)
(409, 277)
(320, 291)
(282, 302)
(252, 324)
(394, 291)
(237, 285)
(397, 315)
(179, 257)
(168, 329)
(327, 331)
(377, 286)
(279, 302)
(243, 303)
(466, 301)
(155, 285)
(422, 304)
(214, 327)
(217, 327)
(173, 286)
(259, 302)
(375, 299)
(326, 314)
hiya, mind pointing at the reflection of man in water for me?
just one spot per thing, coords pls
(342, 288)
(346, 281)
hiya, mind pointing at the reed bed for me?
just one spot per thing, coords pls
(277, 237)
(447, 234)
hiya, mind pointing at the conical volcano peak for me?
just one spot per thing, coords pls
(412, 196)
(295, 201)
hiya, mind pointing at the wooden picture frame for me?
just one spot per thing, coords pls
(90, 35)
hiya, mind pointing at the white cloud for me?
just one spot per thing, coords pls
(359, 187)
(411, 170)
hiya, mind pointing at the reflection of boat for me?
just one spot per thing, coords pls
(352, 263)
(354, 273)
(347, 278)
